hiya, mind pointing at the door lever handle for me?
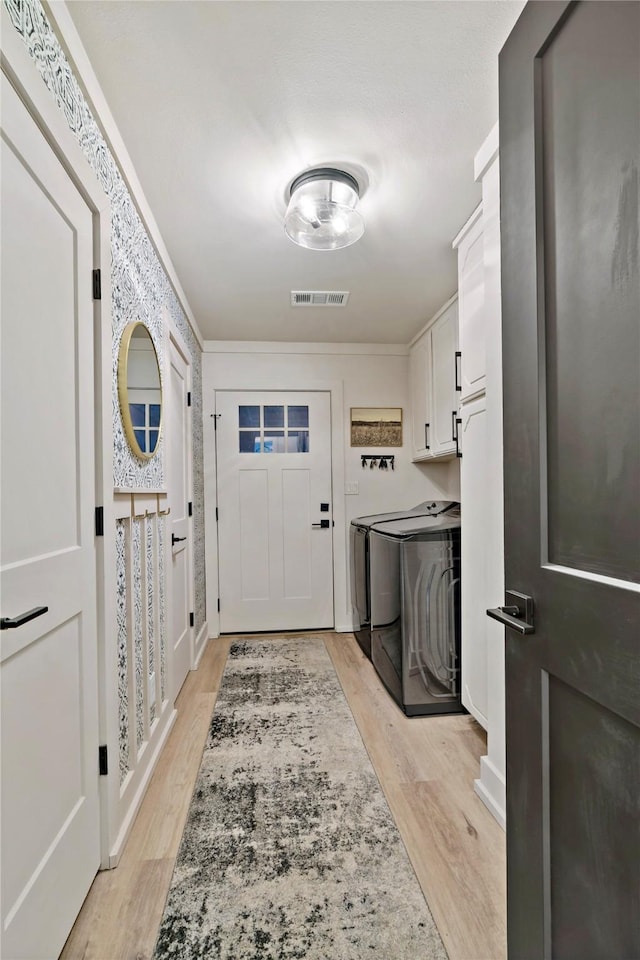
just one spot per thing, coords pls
(175, 539)
(7, 623)
(517, 613)
(324, 524)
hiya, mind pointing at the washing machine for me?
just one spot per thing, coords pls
(359, 561)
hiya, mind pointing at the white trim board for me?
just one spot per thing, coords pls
(275, 346)
(286, 382)
(139, 786)
(201, 644)
(491, 788)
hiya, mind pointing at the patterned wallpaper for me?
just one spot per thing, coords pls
(140, 286)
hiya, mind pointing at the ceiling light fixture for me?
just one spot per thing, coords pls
(322, 212)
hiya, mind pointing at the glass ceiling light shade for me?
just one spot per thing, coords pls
(322, 212)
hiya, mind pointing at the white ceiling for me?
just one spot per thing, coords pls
(222, 102)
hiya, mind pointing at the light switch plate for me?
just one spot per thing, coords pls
(351, 488)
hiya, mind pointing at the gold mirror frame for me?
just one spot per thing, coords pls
(123, 390)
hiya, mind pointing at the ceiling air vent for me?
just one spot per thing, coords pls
(319, 298)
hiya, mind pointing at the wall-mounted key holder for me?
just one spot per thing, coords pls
(382, 461)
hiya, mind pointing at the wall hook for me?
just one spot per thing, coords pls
(134, 515)
(382, 460)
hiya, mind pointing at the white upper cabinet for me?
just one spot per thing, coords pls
(419, 364)
(434, 399)
(471, 291)
(444, 398)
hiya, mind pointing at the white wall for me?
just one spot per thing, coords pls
(357, 375)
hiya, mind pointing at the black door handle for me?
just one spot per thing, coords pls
(175, 539)
(324, 524)
(426, 436)
(517, 613)
(7, 623)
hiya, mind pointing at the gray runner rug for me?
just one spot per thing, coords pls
(290, 849)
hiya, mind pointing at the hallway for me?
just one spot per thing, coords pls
(426, 767)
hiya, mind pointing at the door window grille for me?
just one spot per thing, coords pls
(273, 428)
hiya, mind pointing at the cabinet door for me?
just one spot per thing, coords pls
(471, 311)
(473, 495)
(419, 366)
(444, 402)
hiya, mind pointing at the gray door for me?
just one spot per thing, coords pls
(570, 152)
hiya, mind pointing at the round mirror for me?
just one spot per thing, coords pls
(140, 390)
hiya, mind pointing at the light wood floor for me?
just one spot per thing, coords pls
(426, 767)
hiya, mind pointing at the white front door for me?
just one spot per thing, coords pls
(275, 535)
(49, 713)
(179, 495)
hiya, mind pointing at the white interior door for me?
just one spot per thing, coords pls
(275, 523)
(179, 475)
(49, 697)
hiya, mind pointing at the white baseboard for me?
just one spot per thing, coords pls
(467, 701)
(491, 788)
(201, 643)
(346, 627)
(136, 800)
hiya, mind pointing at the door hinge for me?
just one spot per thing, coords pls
(190, 508)
(97, 285)
(189, 398)
(103, 762)
(192, 620)
(218, 604)
(99, 521)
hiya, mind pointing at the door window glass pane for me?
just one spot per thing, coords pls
(298, 416)
(249, 441)
(249, 416)
(298, 441)
(273, 441)
(274, 416)
(137, 414)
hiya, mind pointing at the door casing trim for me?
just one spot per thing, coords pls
(285, 383)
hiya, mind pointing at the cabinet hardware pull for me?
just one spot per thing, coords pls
(455, 364)
(426, 436)
(453, 425)
(456, 438)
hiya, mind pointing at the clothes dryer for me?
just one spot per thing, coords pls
(415, 611)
